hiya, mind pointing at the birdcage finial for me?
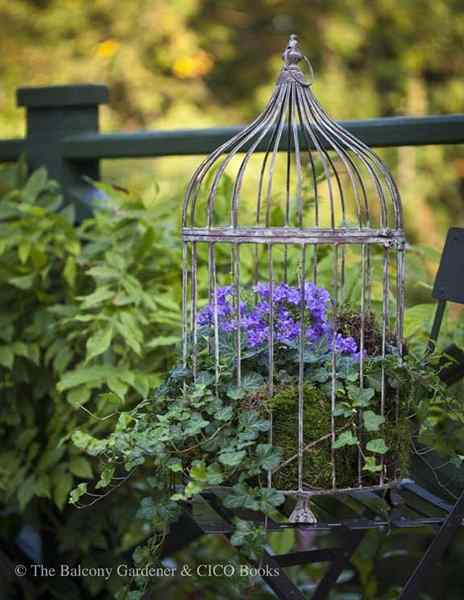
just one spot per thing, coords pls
(292, 54)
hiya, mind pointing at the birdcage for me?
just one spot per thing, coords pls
(297, 226)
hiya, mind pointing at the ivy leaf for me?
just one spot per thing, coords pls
(321, 375)
(267, 456)
(198, 471)
(175, 466)
(77, 493)
(346, 438)
(249, 421)
(252, 381)
(192, 488)
(240, 497)
(232, 459)
(235, 393)
(215, 475)
(378, 446)
(360, 397)
(372, 422)
(271, 498)
(371, 466)
(224, 414)
(105, 477)
(343, 409)
(195, 425)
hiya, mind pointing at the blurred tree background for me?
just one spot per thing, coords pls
(197, 63)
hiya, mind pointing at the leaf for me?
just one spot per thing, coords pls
(63, 483)
(175, 466)
(24, 250)
(25, 282)
(69, 271)
(97, 374)
(252, 382)
(105, 477)
(118, 387)
(102, 272)
(36, 183)
(271, 497)
(267, 456)
(100, 295)
(42, 487)
(343, 409)
(214, 474)
(88, 443)
(360, 397)
(79, 396)
(418, 318)
(80, 467)
(198, 471)
(167, 340)
(235, 393)
(371, 465)
(372, 422)
(346, 438)
(26, 491)
(224, 414)
(77, 493)
(378, 446)
(232, 459)
(98, 343)
(6, 357)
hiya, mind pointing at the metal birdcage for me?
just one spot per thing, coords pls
(296, 200)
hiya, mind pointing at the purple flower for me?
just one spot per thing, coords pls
(286, 302)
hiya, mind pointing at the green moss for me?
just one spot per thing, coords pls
(317, 466)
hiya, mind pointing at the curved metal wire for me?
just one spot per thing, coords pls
(295, 121)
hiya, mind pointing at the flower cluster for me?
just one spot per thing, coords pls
(284, 305)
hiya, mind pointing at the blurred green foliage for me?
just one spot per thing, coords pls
(89, 320)
(196, 63)
(83, 310)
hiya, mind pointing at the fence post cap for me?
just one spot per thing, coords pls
(62, 95)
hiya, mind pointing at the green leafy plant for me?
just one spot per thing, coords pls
(89, 319)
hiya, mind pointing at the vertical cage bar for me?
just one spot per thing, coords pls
(400, 300)
(334, 367)
(368, 278)
(314, 260)
(288, 178)
(194, 310)
(385, 318)
(342, 272)
(301, 370)
(361, 353)
(238, 341)
(400, 294)
(270, 343)
(185, 333)
(212, 265)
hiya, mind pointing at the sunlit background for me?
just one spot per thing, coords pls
(202, 63)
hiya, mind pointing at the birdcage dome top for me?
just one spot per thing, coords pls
(293, 174)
